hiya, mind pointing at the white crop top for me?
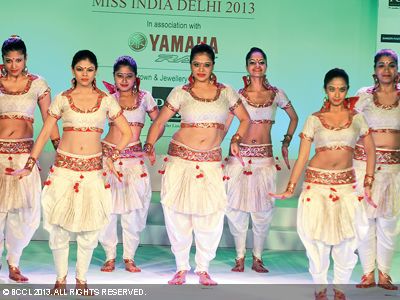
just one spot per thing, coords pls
(136, 114)
(327, 137)
(379, 117)
(75, 119)
(265, 113)
(21, 105)
(202, 113)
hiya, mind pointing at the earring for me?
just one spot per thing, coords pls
(213, 79)
(246, 81)
(94, 84)
(396, 81)
(137, 84)
(326, 105)
(73, 82)
(376, 80)
(25, 71)
(191, 79)
(3, 72)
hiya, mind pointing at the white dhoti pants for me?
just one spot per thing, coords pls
(378, 247)
(194, 200)
(130, 199)
(19, 199)
(318, 254)
(247, 190)
(207, 230)
(75, 200)
(330, 217)
(238, 222)
(59, 244)
(132, 225)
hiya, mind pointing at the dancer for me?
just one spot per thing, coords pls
(131, 196)
(20, 93)
(380, 106)
(76, 198)
(330, 216)
(248, 187)
(192, 192)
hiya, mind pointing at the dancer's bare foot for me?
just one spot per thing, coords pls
(321, 295)
(130, 266)
(367, 281)
(14, 273)
(205, 279)
(108, 266)
(239, 265)
(82, 289)
(385, 282)
(179, 278)
(258, 265)
(60, 287)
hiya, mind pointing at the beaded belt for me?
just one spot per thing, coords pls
(78, 163)
(138, 124)
(256, 150)
(203, 125)
(128, 152)
(383, 156)
(330, 177)
(15, 146)
(180, 150)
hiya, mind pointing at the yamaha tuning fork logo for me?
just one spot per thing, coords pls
(137, 41)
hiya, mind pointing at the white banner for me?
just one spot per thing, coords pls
(388, 34)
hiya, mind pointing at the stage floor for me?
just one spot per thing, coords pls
(157, 264)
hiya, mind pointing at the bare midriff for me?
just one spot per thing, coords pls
(199, 138)
(332, 160)
(15, 129)
(114, 135)
(258, 134)
(81, 143)
(386, 140)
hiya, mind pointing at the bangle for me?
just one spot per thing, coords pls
(236, 138)
(55, 143)
(290, 187)
(114, 155)
(30, 163)
(148, 148)
(287, 138)
(368, 180)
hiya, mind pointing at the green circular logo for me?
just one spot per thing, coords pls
(137, 41)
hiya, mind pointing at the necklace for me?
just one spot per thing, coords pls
(386, 106)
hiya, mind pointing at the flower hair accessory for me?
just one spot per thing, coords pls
(111, 88)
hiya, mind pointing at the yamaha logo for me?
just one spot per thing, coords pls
(137, 41)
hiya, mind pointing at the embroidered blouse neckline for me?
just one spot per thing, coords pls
(188, 88)
(139, 99)
(79, 110)
(335, 128)
(31, 78)
(385, 106)
(259, 105)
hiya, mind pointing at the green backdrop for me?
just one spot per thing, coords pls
(302, 39)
